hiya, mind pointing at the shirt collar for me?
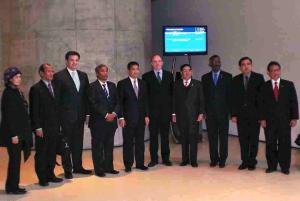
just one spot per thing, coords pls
(132, 79)
(248, 75)
(273, 81)
(218, 72)
(156, 71)
(188, 81)
(46, 82)
(102, 83)
(70, 71)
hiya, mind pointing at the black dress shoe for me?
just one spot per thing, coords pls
(142, 167)
(82, 171)
(167, 163)
(18, 191)
(243, 166)
(270, 170)
(221, 165)
(112, 172)
(68, 175)
(251, 167)
(55, 179)
(100, 174)
(152, 164)
(184, 163)
(194, 165)
(213, 164)
(43, 183)
(127, 169)
(287, 172)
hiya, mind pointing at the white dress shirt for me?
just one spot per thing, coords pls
(132, 81)
(273, 83)
(106, 87)
(186, 82)
(75, 77)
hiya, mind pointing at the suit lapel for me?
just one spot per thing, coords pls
(71, 81)
(140, 88)
(81, 81)
(45, 88)
(270, 86)
(281, 88)
(131, 87)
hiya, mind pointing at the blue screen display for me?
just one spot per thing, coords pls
(185, 40)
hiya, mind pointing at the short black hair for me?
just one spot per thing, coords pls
(273, 63)
(132, 63)
(243, 59)
(42, 67)
(185, 65)
(99, 67)
(71, 53)
(213, 57)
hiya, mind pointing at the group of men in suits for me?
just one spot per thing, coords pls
(61, 103)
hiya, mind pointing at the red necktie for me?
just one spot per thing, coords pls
(276, 91)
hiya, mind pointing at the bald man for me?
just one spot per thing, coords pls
(160, 90)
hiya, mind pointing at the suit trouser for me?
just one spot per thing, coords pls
(189, 141)
(217, 127)
(74, 133)
(157, 127)
(45, 156)
(133, 144)
(248, 132)
(14, 164)
(102, 149)
(278, 145)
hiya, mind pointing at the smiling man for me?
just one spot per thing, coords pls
(279, 113)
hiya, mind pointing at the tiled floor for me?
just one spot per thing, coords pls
(167, 183)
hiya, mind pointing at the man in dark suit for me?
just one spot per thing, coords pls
(160, 88)
(279, 112)
(104, 109)
(188, 112)
(74, 85)
(245, 93)
(134, 116)
(216, 88)
(45, 123)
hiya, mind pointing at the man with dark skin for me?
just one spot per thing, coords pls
(217, 92)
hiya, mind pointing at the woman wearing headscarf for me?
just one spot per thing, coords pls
(15, 128)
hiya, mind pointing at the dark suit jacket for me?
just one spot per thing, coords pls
(15, 120)
(285, 109)
(194, 103)
(73, 104)
(133, 109)
(159, 95)
(44, 110)
(217, 98)
(245, 102)
(100, 105)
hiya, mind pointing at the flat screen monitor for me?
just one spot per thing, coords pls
(185, 40)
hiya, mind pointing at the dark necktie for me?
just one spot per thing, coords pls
(105, 91)
(246, 80)
(276, 91)
(158, 77)
(50, 89)
(215, 78)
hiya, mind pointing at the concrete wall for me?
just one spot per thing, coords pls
(113, 32)
(264, 30)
